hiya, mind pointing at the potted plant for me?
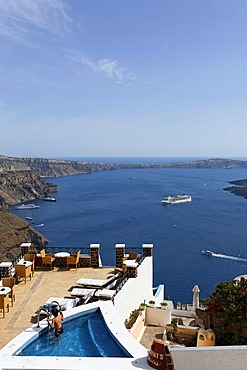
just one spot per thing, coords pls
(142, 308)
(132, 319)
(151, 303)
(163, 305)
(174, 323)
(179, 305)
(184, 306)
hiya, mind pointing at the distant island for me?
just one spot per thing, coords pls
(240, 187)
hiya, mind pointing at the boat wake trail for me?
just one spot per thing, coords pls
(228, 257)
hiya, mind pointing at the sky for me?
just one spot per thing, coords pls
(83, 78)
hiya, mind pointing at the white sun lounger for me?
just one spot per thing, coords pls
(102, 293)
(97, 283)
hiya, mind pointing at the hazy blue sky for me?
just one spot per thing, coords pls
(123, 78)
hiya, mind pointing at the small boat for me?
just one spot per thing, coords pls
(207, 253)
(49, 199)
(29, 215)
(39, 225)
(26, 206)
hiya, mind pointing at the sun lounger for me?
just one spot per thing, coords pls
(105, 293)
(97, 283)
(101, 293)
(81, 292)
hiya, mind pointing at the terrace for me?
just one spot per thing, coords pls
(47, 283)
(137, 287)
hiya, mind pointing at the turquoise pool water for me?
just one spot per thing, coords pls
(85, 335)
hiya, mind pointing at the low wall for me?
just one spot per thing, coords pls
(138, 328)
(183, 329)
(205, 358)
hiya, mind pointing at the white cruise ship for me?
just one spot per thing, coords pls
(27, 206)
(177, 199)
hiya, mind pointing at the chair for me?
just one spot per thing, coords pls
(48, 260)
(10, 282)
(42, 253)
(132, 256)
(23, 271)
(30, 257)
(124, 267)
(4, 303)
(73, 260)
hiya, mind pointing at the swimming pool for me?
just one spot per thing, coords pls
(85, 335)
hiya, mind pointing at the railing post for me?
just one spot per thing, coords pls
(120, 251)
(25, 247)
(132, 268)
(147, 250)
(94, 251)
(5, 269)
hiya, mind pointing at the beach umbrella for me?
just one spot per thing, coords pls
(196, 292)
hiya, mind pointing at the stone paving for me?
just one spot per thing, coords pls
(152, 332)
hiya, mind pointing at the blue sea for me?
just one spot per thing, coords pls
(124, 206)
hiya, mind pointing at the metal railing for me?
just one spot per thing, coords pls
(17, 258)
(71, 250)
(121, 281)
(134, 249)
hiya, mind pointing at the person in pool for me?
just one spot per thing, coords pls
(56, 322)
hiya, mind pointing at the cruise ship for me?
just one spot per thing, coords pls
(177, 199)
(27, 206)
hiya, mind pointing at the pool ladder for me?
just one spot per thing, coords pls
(51, 336)
(48, 313)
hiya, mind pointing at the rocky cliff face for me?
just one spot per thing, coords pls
(54, 167)
(18, 182)
(51, 167)
(13, 232)
(22, 185)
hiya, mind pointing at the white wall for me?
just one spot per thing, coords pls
(157, 316)
(205, 358)
(136, 290)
